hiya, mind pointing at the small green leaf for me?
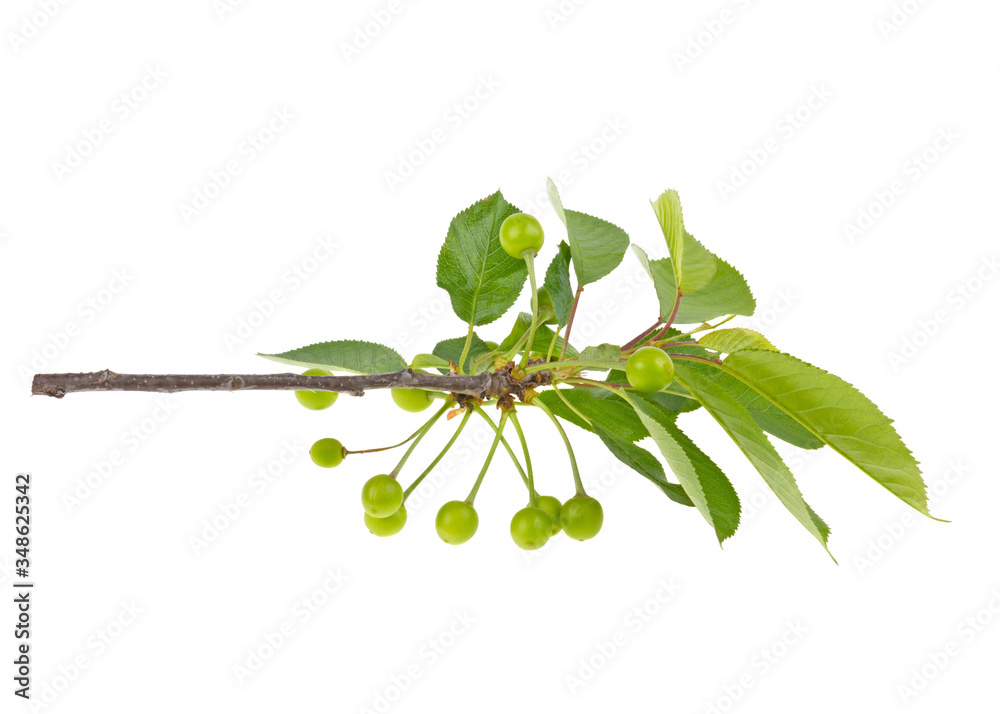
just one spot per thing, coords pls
(353, 356)
(451, 351)
(700, 265)
(558, 286)
(602, 356)
(426, 361)
(838, 414)
(644, 464)
(671, 218)
(543, 338)
(596, 246)
(734, 339)
(482, 280)
(736, 422)
(707, 487)
(727, 293)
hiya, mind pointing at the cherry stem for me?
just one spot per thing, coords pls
(407, 440)
(489, 459)
(569, 447)
(430, 467)
(423, 431)
(510, 451)
(552, 345)
(569, 405)
(569, 323)
(529, 261)
(465, 349)
(532, 493)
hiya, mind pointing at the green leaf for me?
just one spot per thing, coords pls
(838, 414)
(482, 280)
(451, 351)
(596, 246)
(671, 218)
(726, 293)
(425, 361)
(601, 408)
(557, 284)
(734, 339)
(543, 338)
(643, 463)
(749, 437)
(353, 356)
(768, 416)
(704, 483)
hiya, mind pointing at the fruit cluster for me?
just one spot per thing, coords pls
(384, 499)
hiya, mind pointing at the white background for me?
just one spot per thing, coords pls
(596, 96)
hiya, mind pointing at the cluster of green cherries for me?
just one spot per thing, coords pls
(649, 369)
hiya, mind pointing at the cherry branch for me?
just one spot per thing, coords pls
(483, 386)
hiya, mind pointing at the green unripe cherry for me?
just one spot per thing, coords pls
(551, 506)
(412, 400)
(520, 232)
(327, 453)
(316, 400)
(381, 496)
(388, 526)
(581, 517)
(649, 369)
(456, 522)
(530, 528)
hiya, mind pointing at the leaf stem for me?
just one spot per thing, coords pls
(430, 467)
(642, 335)
(569, 323)
(569, 448)
(423, 432)
(694, 358)
(673, 315)
(489, 458)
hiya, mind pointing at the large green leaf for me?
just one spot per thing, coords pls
(557, 284)
(767, 415)
(838, 414)
(596, 246)
(617, 417)
(707, 487)
(451, 351)
(343, 356)
(643, 463)
(749, 437)
(482, 280)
